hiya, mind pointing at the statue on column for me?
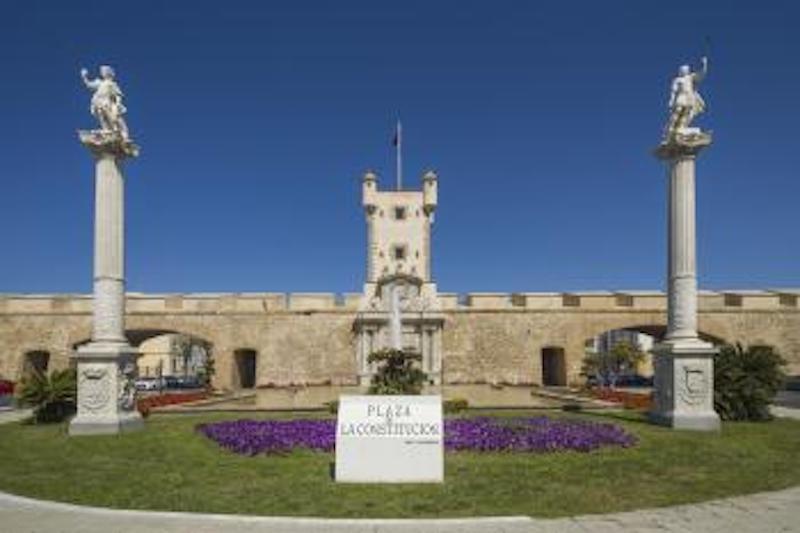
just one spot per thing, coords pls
(106, 104)
(685, 102)
(108, 109)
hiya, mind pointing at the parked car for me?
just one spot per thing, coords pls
(189, 382)
(634, 381)
(171, 382)
(147, 384)
(622, 381)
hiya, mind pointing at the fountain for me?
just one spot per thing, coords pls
(395, 320)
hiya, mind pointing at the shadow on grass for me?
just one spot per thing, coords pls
(628, 416)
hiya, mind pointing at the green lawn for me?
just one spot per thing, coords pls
(171, 467)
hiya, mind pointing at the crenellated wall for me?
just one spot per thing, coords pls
(308, 338)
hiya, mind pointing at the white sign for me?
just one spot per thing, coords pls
(390, 439)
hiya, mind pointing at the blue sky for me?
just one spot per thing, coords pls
(257, 119)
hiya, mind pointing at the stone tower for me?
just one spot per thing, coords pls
(399, 229)
(399, 255)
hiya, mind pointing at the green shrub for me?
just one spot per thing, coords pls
(397, 372)
(333, 406)
(456, 405)
(746, 381)
(52, 397)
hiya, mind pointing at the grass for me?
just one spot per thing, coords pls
(171, 467)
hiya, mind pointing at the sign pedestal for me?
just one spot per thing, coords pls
(390, 439)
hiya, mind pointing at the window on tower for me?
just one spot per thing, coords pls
(400, 213)
(399, 252)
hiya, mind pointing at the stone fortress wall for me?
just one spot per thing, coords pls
(309, 338)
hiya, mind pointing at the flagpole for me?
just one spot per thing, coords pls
(399, 146)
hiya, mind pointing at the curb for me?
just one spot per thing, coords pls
(13, 499)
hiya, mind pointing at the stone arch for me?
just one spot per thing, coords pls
(137, 336)
(655, 330)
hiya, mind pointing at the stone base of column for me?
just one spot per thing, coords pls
(106, 390)
(684, 385)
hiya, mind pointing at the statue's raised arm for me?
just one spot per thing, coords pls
(685, 102)
(106, 105)
(700, 75)
(90, 84)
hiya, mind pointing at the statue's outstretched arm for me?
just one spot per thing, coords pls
(91, 84)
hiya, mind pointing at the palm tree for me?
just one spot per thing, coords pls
(52, 397)
(746, 381)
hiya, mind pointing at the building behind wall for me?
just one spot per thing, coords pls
(163, 356)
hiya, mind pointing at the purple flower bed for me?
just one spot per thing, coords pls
(484, 434)
(537, 434)
(251, 437)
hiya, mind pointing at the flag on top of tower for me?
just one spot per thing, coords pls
(398, 143)
(397, 134)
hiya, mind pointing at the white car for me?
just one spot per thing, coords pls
(145, 384)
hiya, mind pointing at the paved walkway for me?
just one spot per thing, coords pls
(772, 512)
(14, 415)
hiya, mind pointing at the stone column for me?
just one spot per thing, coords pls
(107, 365)
(684, 364)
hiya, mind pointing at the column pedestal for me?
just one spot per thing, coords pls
(106, 394)
(684, 364)
(684, 386)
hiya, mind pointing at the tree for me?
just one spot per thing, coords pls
(188, 348)
(609, 365)
(206, 373)
(183, 345)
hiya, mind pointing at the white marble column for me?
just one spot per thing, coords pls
(109, 251)
(106, 366)
(684, 364)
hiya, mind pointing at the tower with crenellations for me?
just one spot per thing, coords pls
(399, 258)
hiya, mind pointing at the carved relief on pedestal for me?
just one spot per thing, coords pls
(94, 386)
(693, 385)
(126, 398)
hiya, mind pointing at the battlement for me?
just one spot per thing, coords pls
(619, 300)
(771, 299)
(184, 303)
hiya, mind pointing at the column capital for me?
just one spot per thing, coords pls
(683, 145)
(108, 144)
